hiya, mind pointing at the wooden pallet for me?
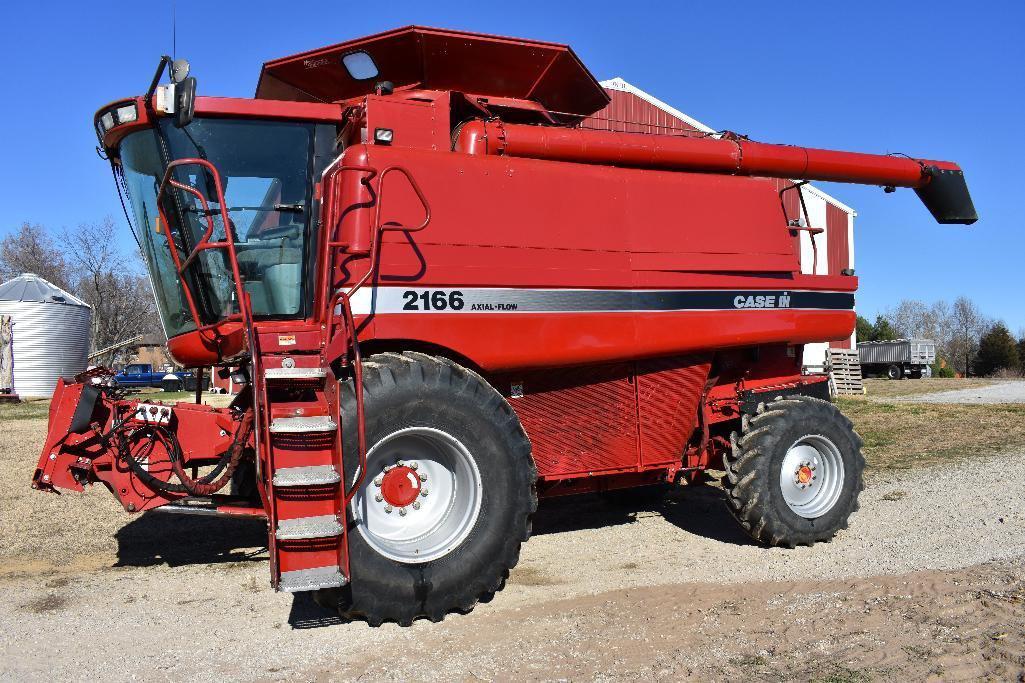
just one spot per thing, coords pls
(845, 372)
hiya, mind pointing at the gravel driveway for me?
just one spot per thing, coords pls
(184, 613)
(1005, 392)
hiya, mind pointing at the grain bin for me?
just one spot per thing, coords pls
(50, 333)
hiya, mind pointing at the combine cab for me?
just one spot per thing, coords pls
(445, 300)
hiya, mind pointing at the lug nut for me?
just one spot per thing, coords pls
(388, 509)
(423, 491)
(402, 512)
(416, 505)
(414, 465)
(378, 480)
(423, 477)
(378, 498)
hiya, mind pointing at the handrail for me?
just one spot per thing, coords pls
(204, 242)
(343, 298)
(377, 231)
(796, 226)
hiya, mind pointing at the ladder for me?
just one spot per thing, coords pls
(307, 489)
(844, 367)
(304, 487)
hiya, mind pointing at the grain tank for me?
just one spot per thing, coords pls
(51, 332)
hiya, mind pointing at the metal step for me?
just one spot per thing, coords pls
(313, 475)
(305, 528)
(299, 425)
(294, 373)
(311, 579)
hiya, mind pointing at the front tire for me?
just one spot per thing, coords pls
(795, 472)
(895, 372)
(447, 501)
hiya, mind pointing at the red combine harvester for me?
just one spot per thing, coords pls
(446, 300)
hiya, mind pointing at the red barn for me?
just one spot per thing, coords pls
(634, 111)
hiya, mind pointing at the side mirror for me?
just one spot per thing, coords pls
(179, 70)
(185, 101)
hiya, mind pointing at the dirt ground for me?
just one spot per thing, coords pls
(929, 582)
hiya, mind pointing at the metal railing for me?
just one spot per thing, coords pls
(341, 299)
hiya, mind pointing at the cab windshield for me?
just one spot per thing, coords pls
(266, 169)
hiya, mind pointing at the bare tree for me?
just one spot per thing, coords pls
(111, 282)
(969, 325)
(908, 319)
(32, 249)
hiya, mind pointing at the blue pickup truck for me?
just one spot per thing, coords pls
(142, 375)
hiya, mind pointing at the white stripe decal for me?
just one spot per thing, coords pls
(392, 299)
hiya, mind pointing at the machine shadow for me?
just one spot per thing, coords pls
(307, 614)
(698, 509)
(178, 539)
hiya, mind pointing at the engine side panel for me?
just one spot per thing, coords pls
(615, 418)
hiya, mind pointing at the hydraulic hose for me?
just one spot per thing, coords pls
(203, 486)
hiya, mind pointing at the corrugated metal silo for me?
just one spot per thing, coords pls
(51, 333)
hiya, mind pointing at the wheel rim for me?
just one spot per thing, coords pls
(421, 496)
(812, 475)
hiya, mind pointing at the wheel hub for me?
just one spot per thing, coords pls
(804, 475)
(812, 476)
(421, 496)
(400, 486)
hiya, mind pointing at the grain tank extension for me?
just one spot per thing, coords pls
(446, 300)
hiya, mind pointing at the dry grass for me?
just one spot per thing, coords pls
(885, 388)
(901, 435)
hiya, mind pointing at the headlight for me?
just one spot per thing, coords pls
(107, 120)
(127, 114)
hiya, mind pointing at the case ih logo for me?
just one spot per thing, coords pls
(762, 301)
(314, 63)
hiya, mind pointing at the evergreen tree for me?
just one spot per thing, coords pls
(998, 350)
(882, 330)
(863, 331)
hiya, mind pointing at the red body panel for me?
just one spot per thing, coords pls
(529, 224)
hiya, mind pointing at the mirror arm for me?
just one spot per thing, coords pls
(164, 61)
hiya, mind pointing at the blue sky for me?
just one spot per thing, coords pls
(944, 80)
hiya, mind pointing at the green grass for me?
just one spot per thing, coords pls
(26, 410)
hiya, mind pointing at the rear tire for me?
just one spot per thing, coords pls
(769, 484)
(895, 372)
(463, 436)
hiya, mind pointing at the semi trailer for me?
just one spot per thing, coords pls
(447, 300)
(898, 358)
